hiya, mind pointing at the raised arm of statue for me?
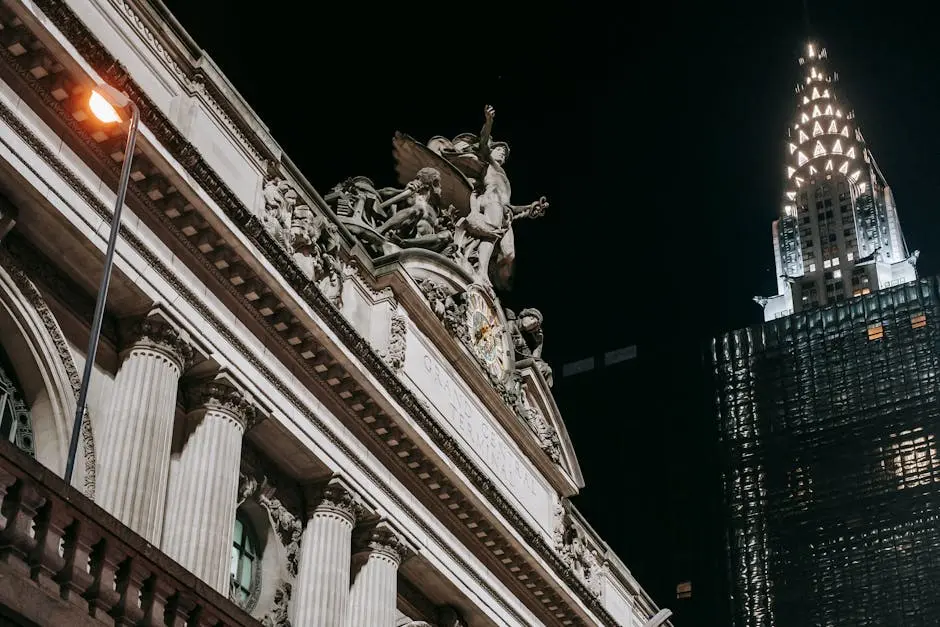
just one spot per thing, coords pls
(532, 210)
(488, 113)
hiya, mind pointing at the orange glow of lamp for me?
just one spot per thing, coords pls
(105, 102)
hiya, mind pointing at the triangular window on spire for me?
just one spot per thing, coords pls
(837, 147)
(815, 93)
(851, 153)
(844, 168)
(829, 110)
(791, 195)
(819, 150)
(825, 93)
(845, 130)
(838, 113)
(805, 100)
(817, 129)
(790, 171)
(792, 148)
(804, 118)
(855, 175)
(833, 128)
(801, 158)
(812, 169)
(816, 112)
(829, 165)
(799, 181)
(803, 137)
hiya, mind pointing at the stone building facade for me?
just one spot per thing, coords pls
(314, 404)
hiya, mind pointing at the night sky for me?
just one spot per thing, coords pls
(657, 136)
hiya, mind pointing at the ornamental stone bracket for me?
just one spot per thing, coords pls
(157, 330)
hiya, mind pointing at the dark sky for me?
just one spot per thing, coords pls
(656, 133)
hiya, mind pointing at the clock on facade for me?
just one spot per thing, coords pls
(489, 338)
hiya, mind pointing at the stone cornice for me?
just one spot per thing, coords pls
(360, 406)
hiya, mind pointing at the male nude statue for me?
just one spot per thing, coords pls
(491, 215)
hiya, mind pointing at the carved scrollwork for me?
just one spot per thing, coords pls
(289, 529)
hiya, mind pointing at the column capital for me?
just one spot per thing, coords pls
(336, 497)
(156, 331)
(221, 393)
(385, 542)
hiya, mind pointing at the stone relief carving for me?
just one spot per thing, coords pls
(575, 551)
(449, 308)
(395, 355)
(289, 529)
(528, 339)
(277, 617)
(310, 238)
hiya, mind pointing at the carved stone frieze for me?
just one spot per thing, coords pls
(307, 236)
(397, 338)
(575, 550)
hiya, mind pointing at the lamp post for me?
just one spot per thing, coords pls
(105, 101)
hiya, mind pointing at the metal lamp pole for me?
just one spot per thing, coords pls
(116, 99)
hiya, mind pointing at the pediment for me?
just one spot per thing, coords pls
(439, 298)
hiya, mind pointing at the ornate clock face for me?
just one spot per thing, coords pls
(488, 336)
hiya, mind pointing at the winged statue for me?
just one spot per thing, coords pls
(455, 200)
(475, 184)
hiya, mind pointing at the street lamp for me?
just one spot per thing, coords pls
(105, 102)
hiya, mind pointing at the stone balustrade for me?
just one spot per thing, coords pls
(65, 561)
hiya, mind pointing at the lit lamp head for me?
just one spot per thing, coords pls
(105, 101)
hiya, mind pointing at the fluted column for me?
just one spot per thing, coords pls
(321, 592)
(374, 590)
(137, 428)
(203, 485)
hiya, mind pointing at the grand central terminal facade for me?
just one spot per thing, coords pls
(306, 408)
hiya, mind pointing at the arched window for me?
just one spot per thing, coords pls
(15, 423)
(246, 564)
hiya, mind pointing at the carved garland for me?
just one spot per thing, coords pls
(187, 155)
(38, 303)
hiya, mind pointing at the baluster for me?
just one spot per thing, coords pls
(181, 610)
(75, 577)
(44, 560)
(156, 593)
(130, 582)
(17, 539)
(6, 480)
(102, 595)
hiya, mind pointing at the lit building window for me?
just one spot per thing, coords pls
(246, 564)
(918, 321)
(812, 267)
(912, 461)
(876, 331)
(861, 292)
(837, 274)
(835, 261)
(850, 255)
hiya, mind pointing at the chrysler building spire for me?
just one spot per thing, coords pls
(838, 234)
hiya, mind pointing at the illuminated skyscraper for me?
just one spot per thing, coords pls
(829, 411)
(838, 234)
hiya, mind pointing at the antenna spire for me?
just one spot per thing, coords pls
(806, 23)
